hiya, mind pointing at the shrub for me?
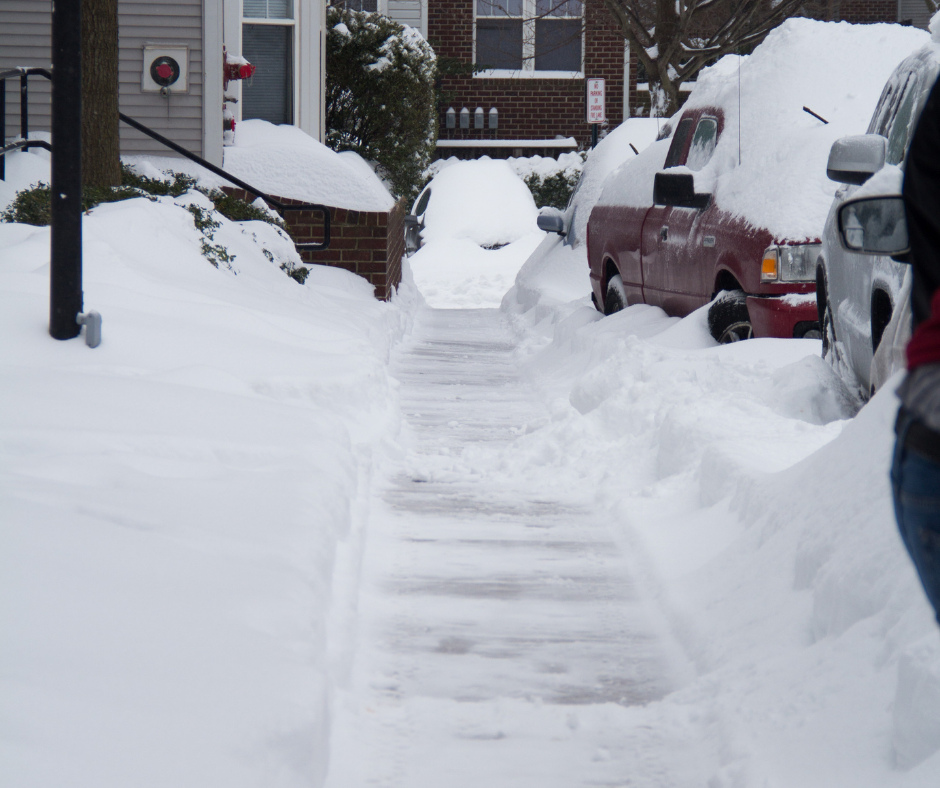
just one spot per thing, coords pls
(553, 190)
(380, 96)
(32, 206)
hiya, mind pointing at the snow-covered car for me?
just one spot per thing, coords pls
(735, 198)
(858, 293)
(482, 201)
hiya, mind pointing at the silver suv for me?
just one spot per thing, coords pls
(857, 293)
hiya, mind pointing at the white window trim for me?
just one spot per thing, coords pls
(309, 61)
(528, 48)
(212, 82)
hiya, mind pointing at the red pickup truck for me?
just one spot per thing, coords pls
(653, 239)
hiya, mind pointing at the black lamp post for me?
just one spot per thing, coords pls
(65, 292)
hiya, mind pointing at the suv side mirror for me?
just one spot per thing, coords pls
(855, 159)
(552, 221)
(678, 189)
(874, 225)
(412, 234)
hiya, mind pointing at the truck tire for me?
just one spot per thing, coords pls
(616, 298)
(728, 320)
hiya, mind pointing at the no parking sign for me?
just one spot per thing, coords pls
(595, 101)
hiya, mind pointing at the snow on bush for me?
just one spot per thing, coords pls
(176, 501)
(380, 99)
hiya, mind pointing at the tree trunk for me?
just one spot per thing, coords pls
(101, 149)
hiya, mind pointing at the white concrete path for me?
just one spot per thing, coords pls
(502, 639)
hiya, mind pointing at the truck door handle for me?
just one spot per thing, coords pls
(664, 233)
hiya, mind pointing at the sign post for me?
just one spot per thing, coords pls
(596, 106)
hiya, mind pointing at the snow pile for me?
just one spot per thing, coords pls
(762, 521)
(835, 69)
(26, 169)
(177, 499)
(480, 226)
(286, 162)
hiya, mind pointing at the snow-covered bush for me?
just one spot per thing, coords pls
(380, 95)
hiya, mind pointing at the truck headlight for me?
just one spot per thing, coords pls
(790, 263)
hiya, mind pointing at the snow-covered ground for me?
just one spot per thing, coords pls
(279, 535)
(175, 502)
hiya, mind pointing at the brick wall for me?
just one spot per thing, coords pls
(529, 108)
(857, 11)
(866, 11)
(367, 243)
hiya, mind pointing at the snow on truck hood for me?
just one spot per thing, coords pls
(835, 69)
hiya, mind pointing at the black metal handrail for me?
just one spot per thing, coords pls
(322, 209)
(24, 143)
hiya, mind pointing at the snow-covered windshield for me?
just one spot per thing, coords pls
(703, 144)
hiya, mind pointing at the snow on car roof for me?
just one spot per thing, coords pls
(835, 69)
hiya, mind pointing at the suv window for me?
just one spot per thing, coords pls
(902, 121)
(677, 147)
(703, 143)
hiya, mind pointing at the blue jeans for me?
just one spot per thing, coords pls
(915, 481)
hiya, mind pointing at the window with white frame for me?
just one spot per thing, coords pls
(268, 44)
(529, 37)
(369, 6)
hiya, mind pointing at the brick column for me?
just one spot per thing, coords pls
(367, 243)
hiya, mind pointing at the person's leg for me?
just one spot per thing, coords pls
(915, 481)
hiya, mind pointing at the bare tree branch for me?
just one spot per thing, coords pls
(675, 39)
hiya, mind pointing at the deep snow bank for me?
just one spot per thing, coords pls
(762, 515)
(175, 501)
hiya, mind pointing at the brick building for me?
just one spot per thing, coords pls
(532, 92)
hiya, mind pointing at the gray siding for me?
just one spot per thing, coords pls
(25, 41)
(25, 32)
(179, 117)
(915, 10)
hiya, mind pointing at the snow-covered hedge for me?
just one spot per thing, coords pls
(380, 95)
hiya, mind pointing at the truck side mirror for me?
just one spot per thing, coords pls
(855, 159)
(874, 225)
(678, 189)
